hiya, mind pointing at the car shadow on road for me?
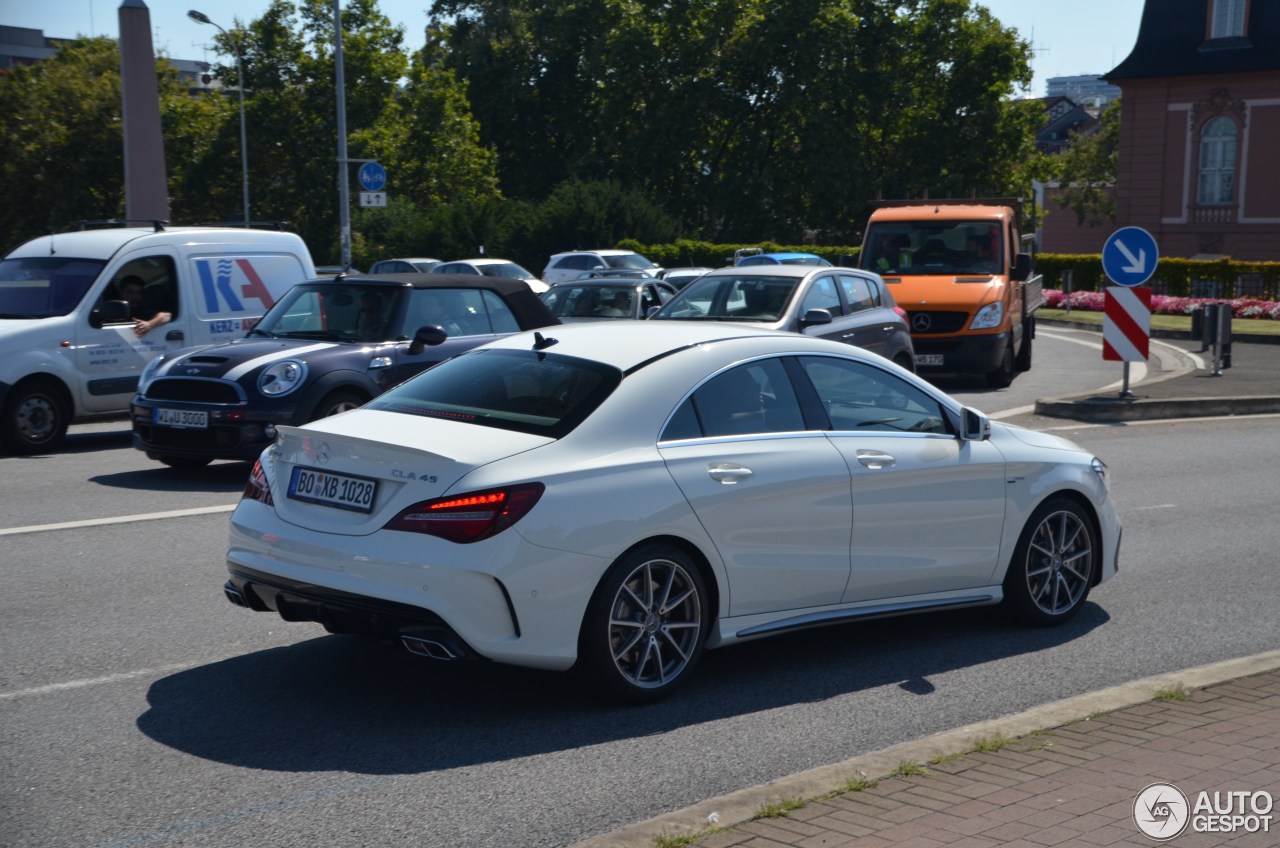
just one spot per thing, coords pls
(341, 703)
(219, 477)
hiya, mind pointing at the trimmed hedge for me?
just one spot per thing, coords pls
(1206, 278)
(1224, 279)
(687, 252)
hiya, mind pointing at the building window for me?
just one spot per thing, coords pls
(1217, 163)
(1228, 19)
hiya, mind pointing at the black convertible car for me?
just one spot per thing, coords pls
(325, 347)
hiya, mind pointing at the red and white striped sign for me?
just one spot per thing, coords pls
(1126, 324)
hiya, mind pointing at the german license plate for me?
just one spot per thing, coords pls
(184, 418)
(343, 491)
(928, 359)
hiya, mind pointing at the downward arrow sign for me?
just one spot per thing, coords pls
(1137, 264)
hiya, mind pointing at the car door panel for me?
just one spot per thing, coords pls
(778, 510)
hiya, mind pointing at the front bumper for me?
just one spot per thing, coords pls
(235, 431)
(977, 354)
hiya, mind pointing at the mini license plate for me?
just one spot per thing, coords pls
(928, 359)
(338, 490)
(185, 418)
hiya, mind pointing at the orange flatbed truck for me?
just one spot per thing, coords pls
(957, 269)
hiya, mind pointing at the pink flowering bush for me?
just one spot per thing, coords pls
(1241, 307)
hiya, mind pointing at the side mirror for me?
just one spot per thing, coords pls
(1021, 267)
(815, 317)
(427, 336)
(976, 427)
(111, 312)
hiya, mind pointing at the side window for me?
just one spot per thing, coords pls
(822, 295)
(861, 398)
(858, 292)
(501, 320)
(577, 263)
(149, 286)
(752, 398)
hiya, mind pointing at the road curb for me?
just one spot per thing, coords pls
(742, 806)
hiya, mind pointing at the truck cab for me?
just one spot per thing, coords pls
(71, 348)
(957, 269)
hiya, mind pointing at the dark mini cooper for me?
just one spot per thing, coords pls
(325, 347)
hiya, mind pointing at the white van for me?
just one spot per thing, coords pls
(70, 348)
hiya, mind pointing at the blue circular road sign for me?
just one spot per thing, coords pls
(372, 176)
(1129, 256)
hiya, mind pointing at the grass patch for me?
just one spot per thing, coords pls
(947, 758)
(906, 768)
(1174, 693)
(677, 841)
(989, 745)
(779, 808)
(1239, 326)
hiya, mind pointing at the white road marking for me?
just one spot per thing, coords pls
(98, 681)
(119, 519)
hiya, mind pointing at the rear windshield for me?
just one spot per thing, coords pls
(633, 261)
(41, 287)
(532, 392)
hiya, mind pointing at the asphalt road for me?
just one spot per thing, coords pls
(138, 707)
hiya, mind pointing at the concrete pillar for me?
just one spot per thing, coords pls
(146, 192)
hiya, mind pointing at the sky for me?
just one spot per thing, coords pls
(1070, 37)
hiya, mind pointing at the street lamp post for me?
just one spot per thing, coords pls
(201, 17)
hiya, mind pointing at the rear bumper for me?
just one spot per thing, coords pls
(340, 612)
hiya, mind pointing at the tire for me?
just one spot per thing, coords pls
(1002, 377)
(634, 640)
(1054, 565)
(185, 463)
(1023, 362)
(35, 417)
(335, 402)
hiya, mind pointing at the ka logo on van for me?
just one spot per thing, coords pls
(215, 282)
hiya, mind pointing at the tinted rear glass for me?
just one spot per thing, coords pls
(532, 392)
(39, 287)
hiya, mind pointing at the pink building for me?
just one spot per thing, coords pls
(1200, 128)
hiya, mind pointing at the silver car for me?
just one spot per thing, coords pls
(841, 304)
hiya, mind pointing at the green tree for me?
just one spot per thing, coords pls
(1087, 170)
(61, 148)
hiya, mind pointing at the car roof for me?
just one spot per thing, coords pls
(529, 310)
(409, 259)
(793, 271)
(613, 281)
(104, 243)
(628, 344)
(481, 260)
(605, 251)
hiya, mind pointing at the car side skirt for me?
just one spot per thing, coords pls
(741, 629)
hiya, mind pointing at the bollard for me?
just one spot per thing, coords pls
(1224, 333)
(1066, 287)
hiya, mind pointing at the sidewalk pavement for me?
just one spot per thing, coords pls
(1086, 771)
(1068, 773)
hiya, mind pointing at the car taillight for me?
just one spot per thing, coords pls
(902, 313)
(258, 489)
(471, 516)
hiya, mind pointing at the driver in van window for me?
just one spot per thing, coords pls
(145, 318)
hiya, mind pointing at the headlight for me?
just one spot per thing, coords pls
(1100, 468)
(280, 378)
(988, 316)
(149, 374)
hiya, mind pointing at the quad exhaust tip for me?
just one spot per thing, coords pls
(429, 648)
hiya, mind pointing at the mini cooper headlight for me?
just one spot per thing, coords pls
(280, 378)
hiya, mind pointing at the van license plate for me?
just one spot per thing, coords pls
(928, 359)
(328, 489)
(182, 418)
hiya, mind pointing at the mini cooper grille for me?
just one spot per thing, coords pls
(203, 391)
(937, 322)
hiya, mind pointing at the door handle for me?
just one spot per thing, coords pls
(875, 459)
(727, 472)
(174, 336)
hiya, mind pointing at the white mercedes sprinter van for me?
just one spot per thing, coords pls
(70, 349)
